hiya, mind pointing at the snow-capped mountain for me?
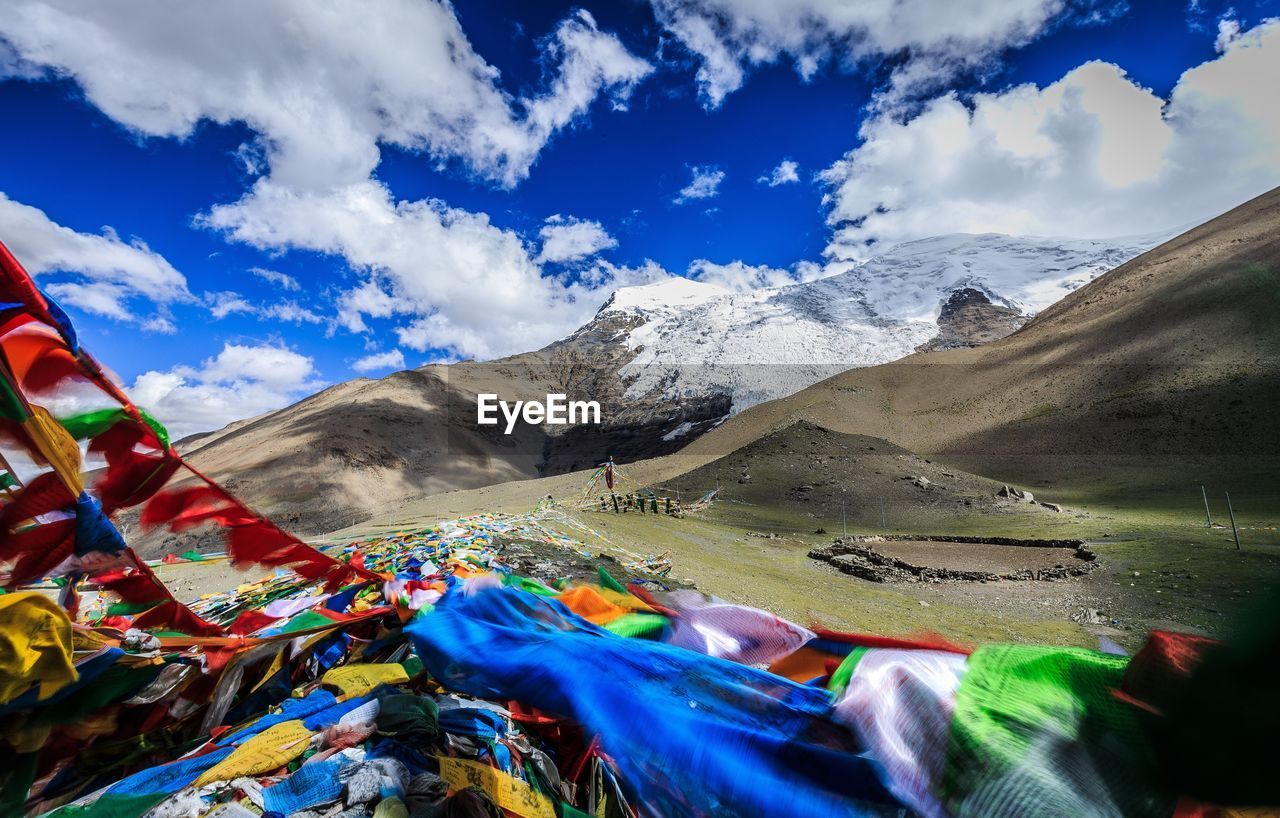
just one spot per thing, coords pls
(667, 362)
(691, 339)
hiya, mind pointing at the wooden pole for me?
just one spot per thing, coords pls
(1234, 531)
(1208, 518)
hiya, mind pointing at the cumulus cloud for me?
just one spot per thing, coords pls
(324, 84)
(391, 359)
(324, 87)
(367, 299)
(1228, 32)
(704, 185)
(729, 37)
(240, 381)
(222, 304)
(786, 172)
(566, 239)
(603, 276)
(282, 280)
(742, 277)
(98, 273)
(1093, 155)
(457, 281)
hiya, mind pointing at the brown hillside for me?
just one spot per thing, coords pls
(1174, 355)
(1168, 362)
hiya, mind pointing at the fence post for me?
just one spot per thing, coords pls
(1234, 531)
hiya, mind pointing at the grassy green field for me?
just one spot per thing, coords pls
(1160, 566)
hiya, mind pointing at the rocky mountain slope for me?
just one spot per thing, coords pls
(1164, 369)
(697, 339)
(667, 362)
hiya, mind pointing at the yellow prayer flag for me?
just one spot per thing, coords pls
(357, 680)
(269, 750)
(510, 794)
(57, 447)
(35, 646)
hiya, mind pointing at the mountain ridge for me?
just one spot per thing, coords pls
(668, 361)
(1174, 354)
(1157, 377)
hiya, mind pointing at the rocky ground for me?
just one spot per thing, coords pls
(912, 558)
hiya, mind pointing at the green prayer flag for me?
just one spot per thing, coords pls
(129, 608)
(112, 806)
(1021, 712)
(607, 581)
(92, 424)
(11, 405)
(533, 586)
(844, 673)
(638, 625)
(305, 620)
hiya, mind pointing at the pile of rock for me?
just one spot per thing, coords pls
(866, 563)
(1016, 494)
(856, 557)
(1024, 496)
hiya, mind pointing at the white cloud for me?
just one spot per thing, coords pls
(222, 304)
(460, 282)
(1228, 32)
(370, 299)
(104, 298)
(731, 36)
(108, 275)
(292, 312)
(704, 185)
(1092, 155)
(282, 280)
(324, 84)
(605, 277)
(567, 239)
(742, 277)
(391, 359)
(786, 172)
(324, 87)
(160, 324)
(240, 381)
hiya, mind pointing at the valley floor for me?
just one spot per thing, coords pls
(1161, 567)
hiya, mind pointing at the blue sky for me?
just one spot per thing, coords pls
(416, 227)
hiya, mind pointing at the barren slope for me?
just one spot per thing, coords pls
(361, 447)
(1173, 357)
